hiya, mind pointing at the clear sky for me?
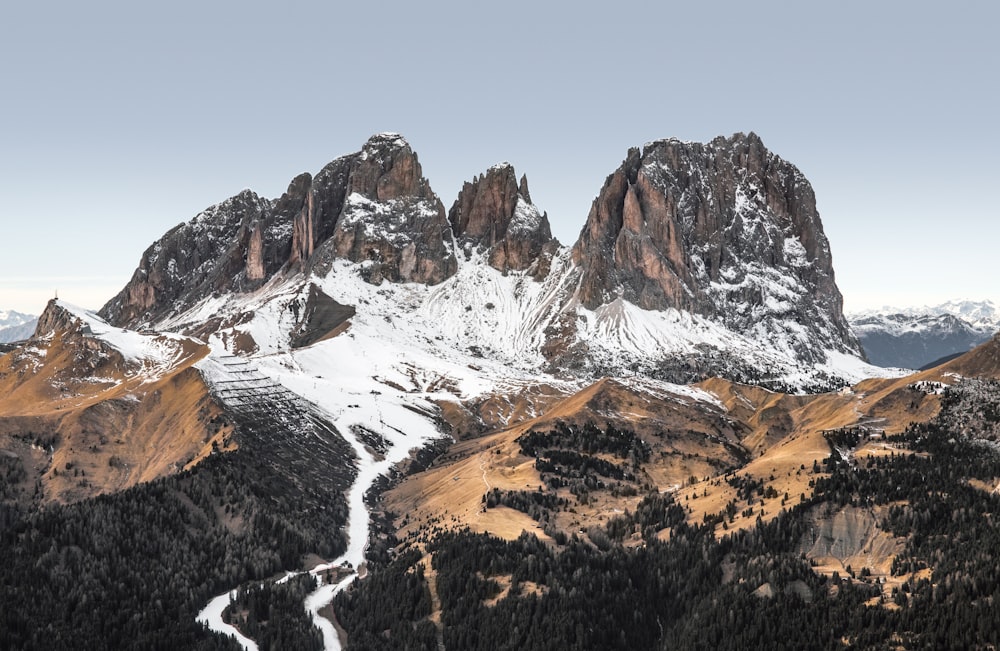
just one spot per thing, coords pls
(123, 119)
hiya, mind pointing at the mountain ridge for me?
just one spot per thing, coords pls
(375, 210)
(16, 326)
(916, 336)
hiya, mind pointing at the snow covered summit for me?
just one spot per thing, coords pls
(696, 260)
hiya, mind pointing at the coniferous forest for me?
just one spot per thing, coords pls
(132, 569)
(699, 592)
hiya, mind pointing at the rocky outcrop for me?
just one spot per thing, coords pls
(196, 259)
(56, 319)
(391, 219)
(494, 214)
(725, 230)
(373, 206)
(313, 206)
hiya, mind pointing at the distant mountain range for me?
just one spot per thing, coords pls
(16, 326)
(916, 337)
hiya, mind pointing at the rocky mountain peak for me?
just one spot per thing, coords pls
(391, 220)
(725, 230)
(494, 213)
(56, 318)
(372, 206)
(523, 188)
(387, 169)
(206, 255)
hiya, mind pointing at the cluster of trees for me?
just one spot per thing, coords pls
(973, 406)
(567, 463)
(711, 362)
(272, 614)
(653, 514)
(12, 473)
(588, 439)
(846, 438)
(663, 595)
(390, 609)
(537, 504)
(697, 592)
(747, 487)
(567, 456)
(132, 569)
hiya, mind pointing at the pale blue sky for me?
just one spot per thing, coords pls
(121, 120)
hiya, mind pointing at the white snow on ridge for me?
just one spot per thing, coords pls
(483, 331)
(501, 316)
(854, 369)
(621, 333)
(148, 355)
(526, 219)
(981, 315)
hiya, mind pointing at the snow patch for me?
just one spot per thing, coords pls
(526, 219)
(795, 252)
(148, 355)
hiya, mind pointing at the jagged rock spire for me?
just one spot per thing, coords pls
(494, 213)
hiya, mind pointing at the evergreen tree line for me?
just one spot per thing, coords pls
(132, 569)
(588, 439)
(696, 592)
(273, 616)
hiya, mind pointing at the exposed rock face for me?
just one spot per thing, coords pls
(494, 213)
(206, 255)
(313, 205)
(372, 206)
(55, 318)
(391, 218)
(725, 230)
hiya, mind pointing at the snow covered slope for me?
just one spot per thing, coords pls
(482, 332)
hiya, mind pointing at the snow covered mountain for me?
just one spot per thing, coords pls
(725, 230)
(915, 337)
(306, 346)
(696, 260)
(15, 326)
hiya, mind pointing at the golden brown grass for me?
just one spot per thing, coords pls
(110, 434)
